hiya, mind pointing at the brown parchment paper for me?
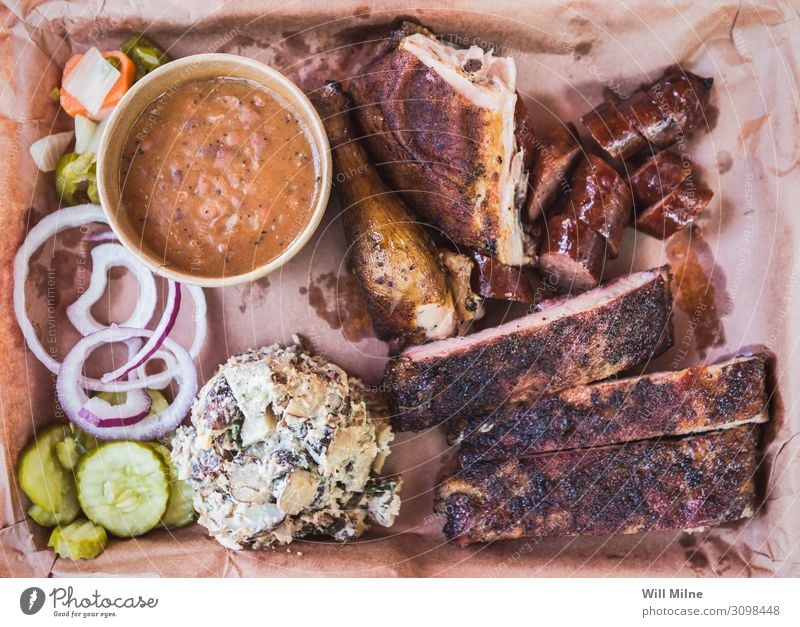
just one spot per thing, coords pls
(569, 55)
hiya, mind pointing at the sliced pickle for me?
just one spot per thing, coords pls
(68, 453)
(81, 539)
(123, 486)
(158, 401)
(41, 516)
(44, 480)
(180, 511)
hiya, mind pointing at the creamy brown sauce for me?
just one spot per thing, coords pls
(218, 177)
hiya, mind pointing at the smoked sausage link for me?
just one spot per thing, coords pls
(657, 177)
(660, 114)
(600, 199)
(675, 211)
(555, 157)
(572, 255)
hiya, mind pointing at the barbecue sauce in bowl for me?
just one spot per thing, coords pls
(218, 177)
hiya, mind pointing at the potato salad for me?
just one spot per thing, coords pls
(284, 444)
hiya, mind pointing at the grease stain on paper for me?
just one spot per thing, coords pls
(698, 287)
(724, 161)
(254, 294)
(338, 300)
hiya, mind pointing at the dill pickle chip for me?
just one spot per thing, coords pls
(44, 480)
(180, 511)
(124, 487)
(81, 539)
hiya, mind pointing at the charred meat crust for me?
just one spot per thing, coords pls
(426, 141)
(572, 255)
(679, 208)
(659, 114)
(684, 483)
(555, 158)
(697, 399)
(520, 360)
(434, 173)
(601, 199)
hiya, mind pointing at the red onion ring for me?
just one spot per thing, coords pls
(73, 397)
(107, 256)
(160, 333)
(137, 403)
(67, 218)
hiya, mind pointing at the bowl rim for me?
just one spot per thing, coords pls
(108, 159)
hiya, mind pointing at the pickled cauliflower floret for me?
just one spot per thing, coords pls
(283, 444)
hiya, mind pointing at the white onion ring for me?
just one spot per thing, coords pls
(171, 309)
(200, 320)
(107, 256)
(67, 218)
(74, 217)
(103, 236)
(73, 398)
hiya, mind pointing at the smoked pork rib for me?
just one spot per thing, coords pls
(694, 400)
(568, 342)
(685, 483)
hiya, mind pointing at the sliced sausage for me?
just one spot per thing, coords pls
(675, 211)
(555, 157)
(492, 279)
(572, 254)
(601, 199)
(643, 114)
(611, 130)
(657, 177)
(682, 97)
(659, 114)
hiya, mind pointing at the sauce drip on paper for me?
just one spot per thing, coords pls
(693, 274)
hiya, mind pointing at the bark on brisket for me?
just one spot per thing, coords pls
(691, 482)
(702, 398)
(521, 362)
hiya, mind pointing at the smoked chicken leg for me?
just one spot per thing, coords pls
(393, 258)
